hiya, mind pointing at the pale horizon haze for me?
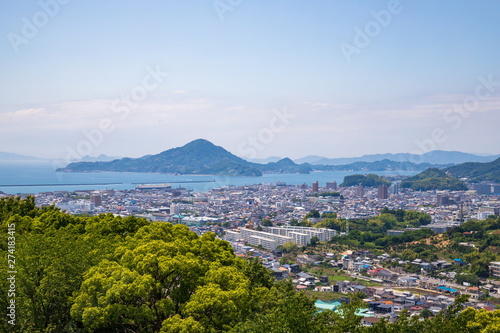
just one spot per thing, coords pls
(259, 78)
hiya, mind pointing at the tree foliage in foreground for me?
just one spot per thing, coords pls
(113, 274)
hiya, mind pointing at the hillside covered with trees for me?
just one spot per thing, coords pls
(482, 237)
(489, 171)
(370, 180)
(433, 179)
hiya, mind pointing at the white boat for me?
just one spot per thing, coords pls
(153, 186)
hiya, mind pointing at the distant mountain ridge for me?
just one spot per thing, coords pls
(432, 157)
(311, 159)
(383, 165)
(203, 157)
(264, 160)
(17, 157)
(100, 158)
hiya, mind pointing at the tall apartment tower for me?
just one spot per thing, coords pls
(394, 189)
(331, 186)
(175, 209)
(315, 186)
(383, 192)
(444, 200)
(482, 188)
(96, 200)
(360, 191)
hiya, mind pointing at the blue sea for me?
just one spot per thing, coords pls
(36, 177)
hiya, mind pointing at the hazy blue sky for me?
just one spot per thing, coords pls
(260, 78)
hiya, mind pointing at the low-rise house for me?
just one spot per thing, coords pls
(410, 301)
(340, 287)
(305, 276)
(435, 309)
(417, 261)
(426, 266)
(324, 288)
(369, 291)
(277, 273)
(384, 308)
(405, 280)
(369, 321)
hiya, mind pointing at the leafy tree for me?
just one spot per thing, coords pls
(285, 311)
(115, 298)
(416, 219)
(176, 324)
(426, 313)
(314, 241)
(266, 223)
(329, 215)
(330, 223)
(287, 247)
(313, 214)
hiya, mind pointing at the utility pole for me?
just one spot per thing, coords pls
(461, 212)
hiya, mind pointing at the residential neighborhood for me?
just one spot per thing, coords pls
(263, 220)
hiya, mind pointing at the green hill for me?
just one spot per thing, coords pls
(477, 171)
(433, 179)
(365, 180)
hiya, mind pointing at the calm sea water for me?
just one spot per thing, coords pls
(36, 177)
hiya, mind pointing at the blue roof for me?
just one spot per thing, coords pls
(333, 305)
(451, 290)
(327, 305)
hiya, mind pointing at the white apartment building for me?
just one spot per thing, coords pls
(323, 234)
(175, 209)
(495, 269)
(256, 238)
(278, 236)
(232, 236)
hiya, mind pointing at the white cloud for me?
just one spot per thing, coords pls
(20, 115)
(165, 121)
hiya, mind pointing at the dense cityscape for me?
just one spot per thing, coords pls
(261, 220)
